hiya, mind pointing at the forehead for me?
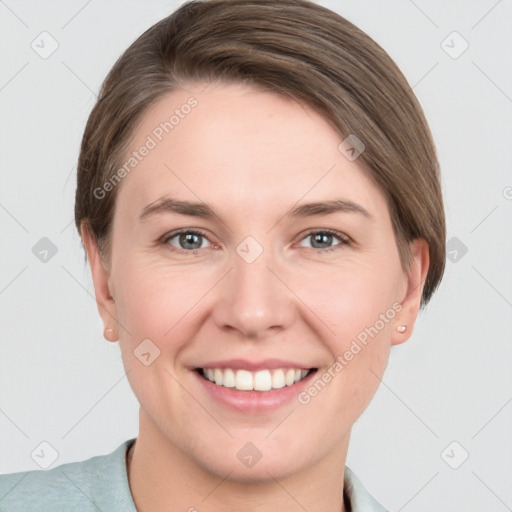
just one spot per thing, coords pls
(234, 141)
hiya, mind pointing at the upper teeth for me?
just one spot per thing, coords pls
(262, 380)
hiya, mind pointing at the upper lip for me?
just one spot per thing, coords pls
(264, 364)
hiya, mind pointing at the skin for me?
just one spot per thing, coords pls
(251, 155)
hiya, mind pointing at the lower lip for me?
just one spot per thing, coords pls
(254, 401)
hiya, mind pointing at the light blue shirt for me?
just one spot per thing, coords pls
(101, 484)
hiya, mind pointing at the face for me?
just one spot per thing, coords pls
(248, 249)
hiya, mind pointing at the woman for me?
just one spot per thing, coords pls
(258, 196)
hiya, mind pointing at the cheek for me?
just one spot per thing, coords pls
(351, 298)
(346, 386)
(356, 305)
(158, 301)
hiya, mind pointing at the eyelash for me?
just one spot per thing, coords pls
(344, 239)
(174, 234)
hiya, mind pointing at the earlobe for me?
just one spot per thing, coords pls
(109, 334)
(101, 280)
(415, 281)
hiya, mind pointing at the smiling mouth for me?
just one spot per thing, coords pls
(262, 380)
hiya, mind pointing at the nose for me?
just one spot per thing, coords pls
(254, 300)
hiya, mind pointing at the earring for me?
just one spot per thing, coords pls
(401, 328)
(108, 333)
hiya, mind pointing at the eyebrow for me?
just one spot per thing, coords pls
(171, 205)
(327, 207)
(203, 210)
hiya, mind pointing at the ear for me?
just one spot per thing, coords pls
(102, 283)
(414, 282)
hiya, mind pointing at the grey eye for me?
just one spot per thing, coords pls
(188, 240)
(322, 240)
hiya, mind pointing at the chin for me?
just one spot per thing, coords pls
(244, 463)
(262, 472)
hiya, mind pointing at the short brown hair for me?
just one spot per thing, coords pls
(291, 47)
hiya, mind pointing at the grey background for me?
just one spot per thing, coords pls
(62, 383)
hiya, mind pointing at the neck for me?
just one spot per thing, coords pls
(160, 474)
